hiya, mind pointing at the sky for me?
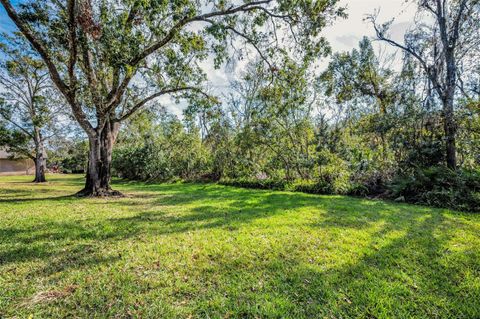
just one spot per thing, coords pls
(343, 35)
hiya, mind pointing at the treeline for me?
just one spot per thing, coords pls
(359, 129)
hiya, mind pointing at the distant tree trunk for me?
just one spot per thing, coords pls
(449, 124)
(450, 133)
(40, 160)
(98, 176)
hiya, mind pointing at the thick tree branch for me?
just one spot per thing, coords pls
(72, 44)
(117, 92)
(54, 74)
(140, 104)
(177, 27)
(88, 69)
(456, 23)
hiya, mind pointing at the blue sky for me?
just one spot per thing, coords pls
(5, 23)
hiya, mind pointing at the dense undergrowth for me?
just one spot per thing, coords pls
(434, 186)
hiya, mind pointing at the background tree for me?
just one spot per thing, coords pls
(440, 47)
(363, 83)
(156, 146)
(96, 56)
(27, 104)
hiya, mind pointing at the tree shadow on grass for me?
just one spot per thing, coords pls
(242, 208)
(231, 208)
(21, 199)
(407, 277)
(401, 272)
(52, 240)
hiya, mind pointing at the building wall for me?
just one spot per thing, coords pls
(16, 167)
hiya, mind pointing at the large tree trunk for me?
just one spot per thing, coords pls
(40, 159)
(40, 168)
(98, 176)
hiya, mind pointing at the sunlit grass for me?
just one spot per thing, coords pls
(209, 251)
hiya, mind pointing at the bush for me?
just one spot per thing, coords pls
(440, 187)
(333, 175)
(158, 160)
(312, 187)
(304, 186)
(76, 160)
(358, 189)
(273, 184)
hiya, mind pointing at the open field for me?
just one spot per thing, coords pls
(209, 251)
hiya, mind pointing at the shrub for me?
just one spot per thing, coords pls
(312, 187)
(274, 184)
(440, 187)
(158, 160)
(359, 189)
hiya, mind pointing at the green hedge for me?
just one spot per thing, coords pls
(304, 186)
(255, 183)
(435, 186)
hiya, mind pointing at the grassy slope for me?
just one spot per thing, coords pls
(187, 250)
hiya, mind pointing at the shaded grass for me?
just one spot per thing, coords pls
(210, 251)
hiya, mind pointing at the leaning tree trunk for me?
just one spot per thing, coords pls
(98, 176)
(40, 160)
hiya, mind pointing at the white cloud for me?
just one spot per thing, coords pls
(348, 40)
(343, 35)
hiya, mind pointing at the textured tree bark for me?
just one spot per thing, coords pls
(98, 176)
(40, 160)
(40, 168)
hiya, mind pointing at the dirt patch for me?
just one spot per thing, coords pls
(52, 295)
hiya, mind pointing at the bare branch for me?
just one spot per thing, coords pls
(381, 36)
(249, 40)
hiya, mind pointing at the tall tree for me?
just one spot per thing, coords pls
(361, 79)
(27, 114)
(272, 115)
(109, 63)
(440, 47)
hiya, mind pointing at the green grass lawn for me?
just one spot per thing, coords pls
(210, 251)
